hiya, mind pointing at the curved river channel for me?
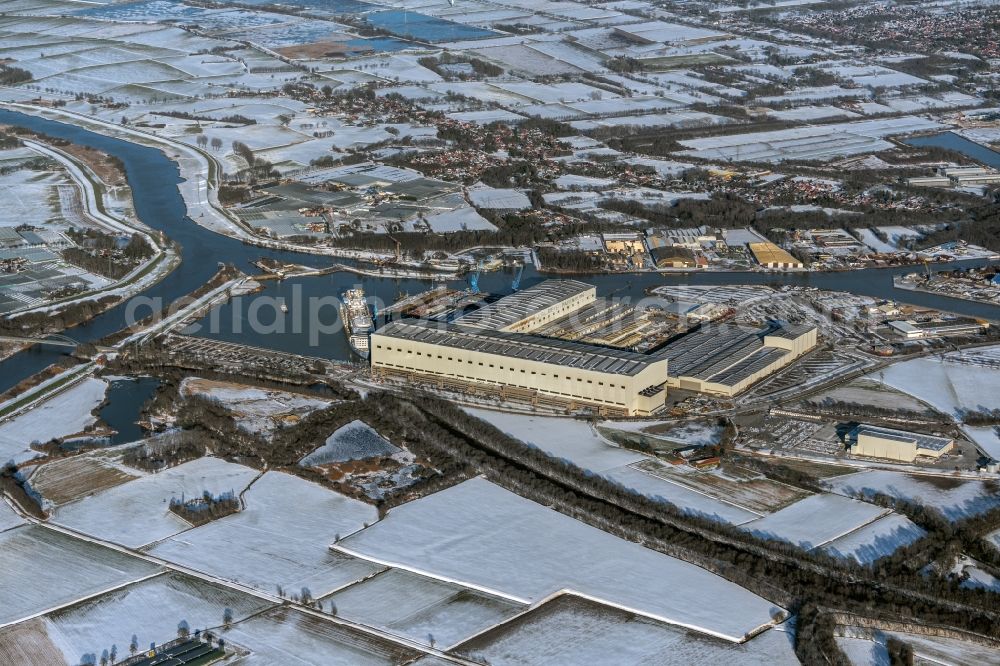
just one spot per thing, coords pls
(158, 203)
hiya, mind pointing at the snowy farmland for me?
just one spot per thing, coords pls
(952, 387)
(864, 651)
(63, 415)
(815, 520)
(421, 608)
(954, 498)
(281, 538)
(70, 479)
(526, 552)
(8, 517)
(569, 439)
(151, 610)
(876, 539)
(946, 385)
(286, 636)
(570, 630)
(355, 441)
(40, 559)
(822, 142)
(705, 494)
(137, 513)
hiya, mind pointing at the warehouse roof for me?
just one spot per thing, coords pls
(791, 331)
(727, 354)
(769, 253)
(522, 304)
(521, 345)
(928, 442)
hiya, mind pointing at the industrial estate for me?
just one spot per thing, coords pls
(399, 333)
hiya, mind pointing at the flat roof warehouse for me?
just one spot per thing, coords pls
(522, 345)
(502, 351)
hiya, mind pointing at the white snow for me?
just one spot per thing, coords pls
(289, 637)
(483, 536)
(876, 540)
(569, 631)
(137, 513)
(53, 569)
(417, 607)
(577, 442)
(951, 387)
(282, 537)
(150, 610)
(65, 414)
(955, 498)
(690, 501)
(8, 517)
(354, 441)
(569, 439)
(815, 520)
(945, 385)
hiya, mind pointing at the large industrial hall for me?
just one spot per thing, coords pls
(498, 351)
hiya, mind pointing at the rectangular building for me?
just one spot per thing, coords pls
(890, 444)
(770, 255)
(912, 330)
(530, 308)
(521, 367)
(726, 360)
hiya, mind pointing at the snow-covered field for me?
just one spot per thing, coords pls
(570, 439)
(67, 413)
(44, 569)
(355, 441)
(282, 537)
(137, 513)
(69, 479)
(421, 608)
(481, 535)
(815, 520)
(569, 631)
(8, 517)
(945, 385)
(876, 540)
(926, 649)
(691, 501)
(951, 387)
(954, 498)
(869, 238)
(577, 442)
(151, 610)
(286, 636)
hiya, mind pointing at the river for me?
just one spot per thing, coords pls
(154, 178)
(952, 141)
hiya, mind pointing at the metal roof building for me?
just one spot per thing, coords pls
(530, 308)
(727, 359)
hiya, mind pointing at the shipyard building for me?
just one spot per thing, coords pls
(493, 351)
(890, 444)
(727, 359)
(521, 348)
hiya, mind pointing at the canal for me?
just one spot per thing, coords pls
(154, 178)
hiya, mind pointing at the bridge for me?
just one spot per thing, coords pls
(54, 340)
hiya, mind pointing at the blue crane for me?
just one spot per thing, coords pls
(516, 284)
(474, 278)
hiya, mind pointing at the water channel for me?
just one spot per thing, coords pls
(154, 178)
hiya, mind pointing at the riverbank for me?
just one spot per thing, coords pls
(155, 182)
(92, 190)
(900, 282)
